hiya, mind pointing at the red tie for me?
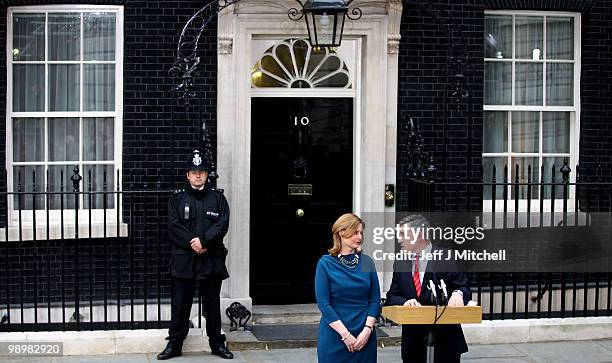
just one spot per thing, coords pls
(415, 277)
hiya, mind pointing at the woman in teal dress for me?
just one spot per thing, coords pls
(348, 295)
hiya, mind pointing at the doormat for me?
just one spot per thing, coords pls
(292, 332)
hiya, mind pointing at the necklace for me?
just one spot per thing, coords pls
(352, 264)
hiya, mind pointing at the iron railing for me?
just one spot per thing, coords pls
(553, 199)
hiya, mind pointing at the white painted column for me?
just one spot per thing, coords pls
(233, 141)
(393, 38)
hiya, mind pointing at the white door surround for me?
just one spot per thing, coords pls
(375, 105)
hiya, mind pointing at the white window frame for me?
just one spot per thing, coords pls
(55, 216)
(574, 119)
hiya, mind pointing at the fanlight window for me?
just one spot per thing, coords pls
(294, 63)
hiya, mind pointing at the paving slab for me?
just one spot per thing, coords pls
(607, 344)
(4, 359)
(566, 352)
(499, 360)
(492, 351)
(115, 358)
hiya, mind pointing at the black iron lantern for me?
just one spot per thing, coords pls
(325, 20)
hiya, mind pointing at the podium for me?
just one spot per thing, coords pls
(426, 315)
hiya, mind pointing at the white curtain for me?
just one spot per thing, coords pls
(99, 36)
(559, 38)
(495, 135)
(99, 87)
(529, 37)
(529, 84)
(556, 132)
(98, 145)
(498, 36)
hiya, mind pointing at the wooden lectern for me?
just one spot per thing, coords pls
(426, 315)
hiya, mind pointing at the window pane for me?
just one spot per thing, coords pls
(59, 181)
(99, 87)
(556, 132)
(525, 132)
(498, 83)
(559, 84)
(64, 84)
(528, 171)
(63, 139)
(487, 170)
(24, 179)
(28, 139)
(556, 175)
(498, 36)
(28, 87)
(99, 36)
(98, 139)
(65, 36)
(529, 37)
(559, 38)
(102, 176)
(28, 37)
(528, 84)
(495, 132)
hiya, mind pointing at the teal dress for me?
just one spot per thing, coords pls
(349, 295)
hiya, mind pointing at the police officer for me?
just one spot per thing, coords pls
(198, 219)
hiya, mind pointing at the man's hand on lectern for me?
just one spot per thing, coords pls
(412, 302)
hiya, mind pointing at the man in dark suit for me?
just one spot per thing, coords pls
(198, 219)
(409, 288)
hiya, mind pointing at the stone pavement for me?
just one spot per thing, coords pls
(588, 351)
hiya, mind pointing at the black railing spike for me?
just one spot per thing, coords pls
(505, 173)
(516, 170)
(19, 181)
(118, 181)
(565, 170)
(34, 181)
(552, 173)
(529, 173)
(61, 182)
(542, 171)
(493, 180)
(89, 180)
(76, 179)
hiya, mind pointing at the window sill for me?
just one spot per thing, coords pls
(55, 232)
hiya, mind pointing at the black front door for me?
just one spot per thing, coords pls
(301, 181)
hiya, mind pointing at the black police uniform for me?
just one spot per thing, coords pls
(203, 214)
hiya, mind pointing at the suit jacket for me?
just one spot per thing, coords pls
(449, 339)
(198, 213)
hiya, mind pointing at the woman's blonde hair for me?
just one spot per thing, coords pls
(345, 226)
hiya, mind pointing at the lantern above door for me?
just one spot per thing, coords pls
(325, 20)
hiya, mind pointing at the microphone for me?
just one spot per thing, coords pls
(432, 287)
(443, 288)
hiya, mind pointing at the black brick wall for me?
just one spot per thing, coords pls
(596, 92)
(422, 78)
(151, 31)
(423, 51)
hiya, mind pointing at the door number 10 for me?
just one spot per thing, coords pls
(304, 121)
